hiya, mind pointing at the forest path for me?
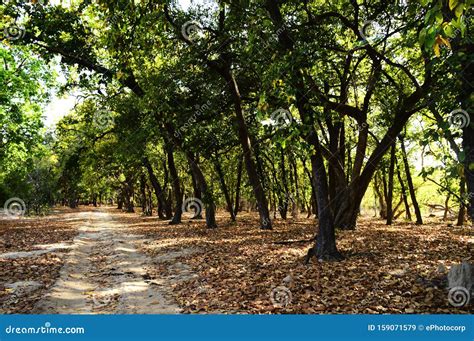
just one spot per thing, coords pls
(104, 273)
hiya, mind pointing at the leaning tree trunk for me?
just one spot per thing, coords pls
(224, 189)
(411, 188)
(157, 188)
(254, 179)
(391, 173)
(207, 197)
(404, 194)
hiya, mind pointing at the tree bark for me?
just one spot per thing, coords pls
(254, 179)
(404, 194)
(238, 185)
(175, 184)
(160, 197)
(196, 188)
(224, 189)
(462, 207)
(207, 197)
(391, 174)
(411, 188)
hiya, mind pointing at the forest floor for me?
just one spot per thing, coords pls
(102, 261)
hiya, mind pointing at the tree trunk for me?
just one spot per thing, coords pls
(446, 207)
(391, 174)
(404, 194)
(224, 188)
(284, 180)
(196, 189)
(128, 190)
(244, 138)
(207, 197)
(325, 245)
(380, 196)
(160, 197)
(238, 185)
(411, 188)
(462, 207)
(176, 185)
(296, 203)
(145, 203)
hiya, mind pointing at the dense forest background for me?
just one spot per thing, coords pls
(287, 108)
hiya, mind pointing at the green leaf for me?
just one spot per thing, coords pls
(452, 4)
(458, 11)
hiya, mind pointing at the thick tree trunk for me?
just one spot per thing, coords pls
(160, 196)
(120, 201)
(129, 204)
(325, 246)
(411, 188)
(391, 173)
(196, 188)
